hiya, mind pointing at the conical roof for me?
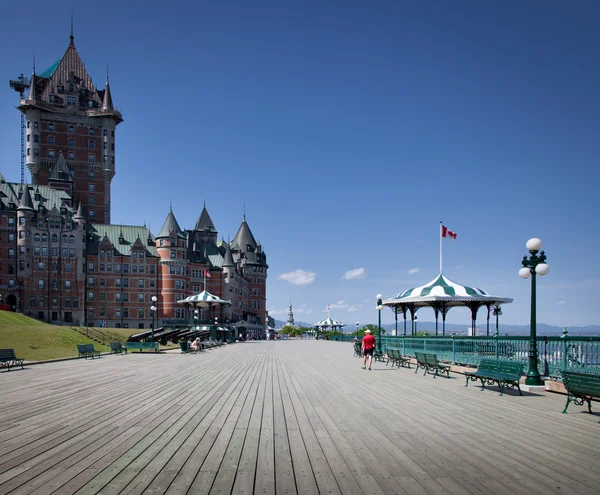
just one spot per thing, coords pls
(243, 238)
(26, 202)
(204, 222)
(107, 103)
(170, 225)
(61, 171)
(329, 322)
(228, 262)
(79, 214)
(32, 88)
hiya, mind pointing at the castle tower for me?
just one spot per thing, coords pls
(65, 113)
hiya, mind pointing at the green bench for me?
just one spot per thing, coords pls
(504, 373)
(8, 359)
(396, 357)
(357, 349)
(142, 346)
(117, 348)
(87, 350)
(581, 387)
(430, 363)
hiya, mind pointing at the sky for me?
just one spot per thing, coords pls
(347, 131)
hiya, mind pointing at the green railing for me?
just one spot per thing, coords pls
(554, 353)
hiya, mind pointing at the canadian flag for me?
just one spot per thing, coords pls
(208, 273)
(448, 233)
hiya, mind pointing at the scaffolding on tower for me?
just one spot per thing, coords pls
(19, 85)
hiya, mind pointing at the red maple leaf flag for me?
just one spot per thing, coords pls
(208, 273)
(448, 233)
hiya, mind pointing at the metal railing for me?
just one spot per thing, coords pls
(554, 353)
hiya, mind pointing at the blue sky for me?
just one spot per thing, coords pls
(350, 130)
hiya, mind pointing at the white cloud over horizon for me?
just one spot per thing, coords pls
(413, 271)
(354, 274)
(298, 277)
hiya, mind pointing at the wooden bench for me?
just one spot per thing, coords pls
(396, 357)
(581, 387)
(504, 373)
(87, 350)
(117, 348)
(430, 363)
(142, 345)
(8, 359)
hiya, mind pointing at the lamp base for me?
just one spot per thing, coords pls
(533, 388)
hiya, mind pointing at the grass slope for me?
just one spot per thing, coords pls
(33, 340)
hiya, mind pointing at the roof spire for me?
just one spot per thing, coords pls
(244, 211)
(107, 103)
(72, 37)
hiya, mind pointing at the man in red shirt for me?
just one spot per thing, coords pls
(368, 348)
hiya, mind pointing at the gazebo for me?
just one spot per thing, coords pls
(207, 300)
(329, 324)
(442, 294)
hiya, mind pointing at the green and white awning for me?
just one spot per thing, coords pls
(329, 323)
(204, 300)
(443, 289)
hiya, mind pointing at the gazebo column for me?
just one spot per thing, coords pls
(436, 311)
(474, 307)
(396, 317)
(445, 310)
(411, 308)
(487, 332)
(404, 314)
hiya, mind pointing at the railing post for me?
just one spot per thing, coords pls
(453, 348)
(403, 345)
(564, 348)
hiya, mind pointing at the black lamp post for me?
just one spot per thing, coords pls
(153, 310)
(535, 265)
(379, 308)
(357, 329)
(196, 316)
(497, 311)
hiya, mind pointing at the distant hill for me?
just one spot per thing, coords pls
(429, 326)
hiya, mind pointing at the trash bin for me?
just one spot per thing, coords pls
(184, 346)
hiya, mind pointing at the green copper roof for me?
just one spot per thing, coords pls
(122, 237)
(50, 70)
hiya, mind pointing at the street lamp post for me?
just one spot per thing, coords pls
(357, 329)
(497, 311)
(379, 308)
(196, 316)
(535, 265)
(153, 309)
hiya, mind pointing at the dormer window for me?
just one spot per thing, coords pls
(60, 89)
(71, 129)
(91, 131)
(51, 127)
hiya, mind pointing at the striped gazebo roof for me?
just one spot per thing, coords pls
(444, 289)
(204, 299)
(329, 322)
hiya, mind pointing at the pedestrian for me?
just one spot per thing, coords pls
(368, 348)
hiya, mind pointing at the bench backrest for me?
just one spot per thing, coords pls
(82, 348)
(116, 346)
(500, 366)
(431, 359)
(394, 353)
(90, 348)
(7, 354)
(582, 383)
(421, 359)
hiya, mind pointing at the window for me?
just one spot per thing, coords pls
(118, 267)
(71, 100)
(54, 251)
(90, 296)
(75, 302)
(11, 283)
(118, 297)
(91, 131)
(102, 296)
(67, 302)
(28, 124)
(67, 285)
(90, 281)
(125, 313)
(172, 254)
(105, 132)
(50, 153)
(41, 266)
(32, 302)
(54, 238)
(140, 297)
(36, 138)
(71, 142)
(72, 239)
(71, 155)
(101, 267)
(36, 151)
(28, 151)
(91, 158)
(101, 311)
(68, 267)
(152, 284)
(102, 282)
(92, 214)
(134, 268)
(90, 267)
(152, 269)
(44, 251)
(141, 283)
(91, 145)
(91, 187)
(117, 282)
(126, 268)
(11, 237)
(71, 128)
(104, 146)
(44, 237)
(28, 137)
(51, 140)
(36, 251)
(41, 284)
(105, 159)
(140, 313)
(90, 312)
(72, 252)
(125, 282)
(36, 125)
(65, 252)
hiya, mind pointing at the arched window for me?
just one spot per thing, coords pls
(54, 238)
(65, 239)
(44, 237)
(72, 239)
(36, 237)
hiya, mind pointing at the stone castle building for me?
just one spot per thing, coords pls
(62, 261)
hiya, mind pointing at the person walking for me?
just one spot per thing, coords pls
(368, 348)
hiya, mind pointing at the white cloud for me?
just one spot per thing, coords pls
(298, 277)
(354, 274)
(354, 307)
(301, 309)
(338, 305)
(459, 267)
(367, 301)
(412, 271)
(308, 311)
(273, 312)
(560, 302)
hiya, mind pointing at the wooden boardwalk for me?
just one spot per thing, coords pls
(294, 417)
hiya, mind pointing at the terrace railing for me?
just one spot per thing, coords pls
(554, 353)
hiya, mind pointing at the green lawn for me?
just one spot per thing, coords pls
(33, 340)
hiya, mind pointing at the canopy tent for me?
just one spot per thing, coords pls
(329, 324)
(442, 294)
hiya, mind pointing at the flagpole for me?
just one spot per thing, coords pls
(440, 247)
